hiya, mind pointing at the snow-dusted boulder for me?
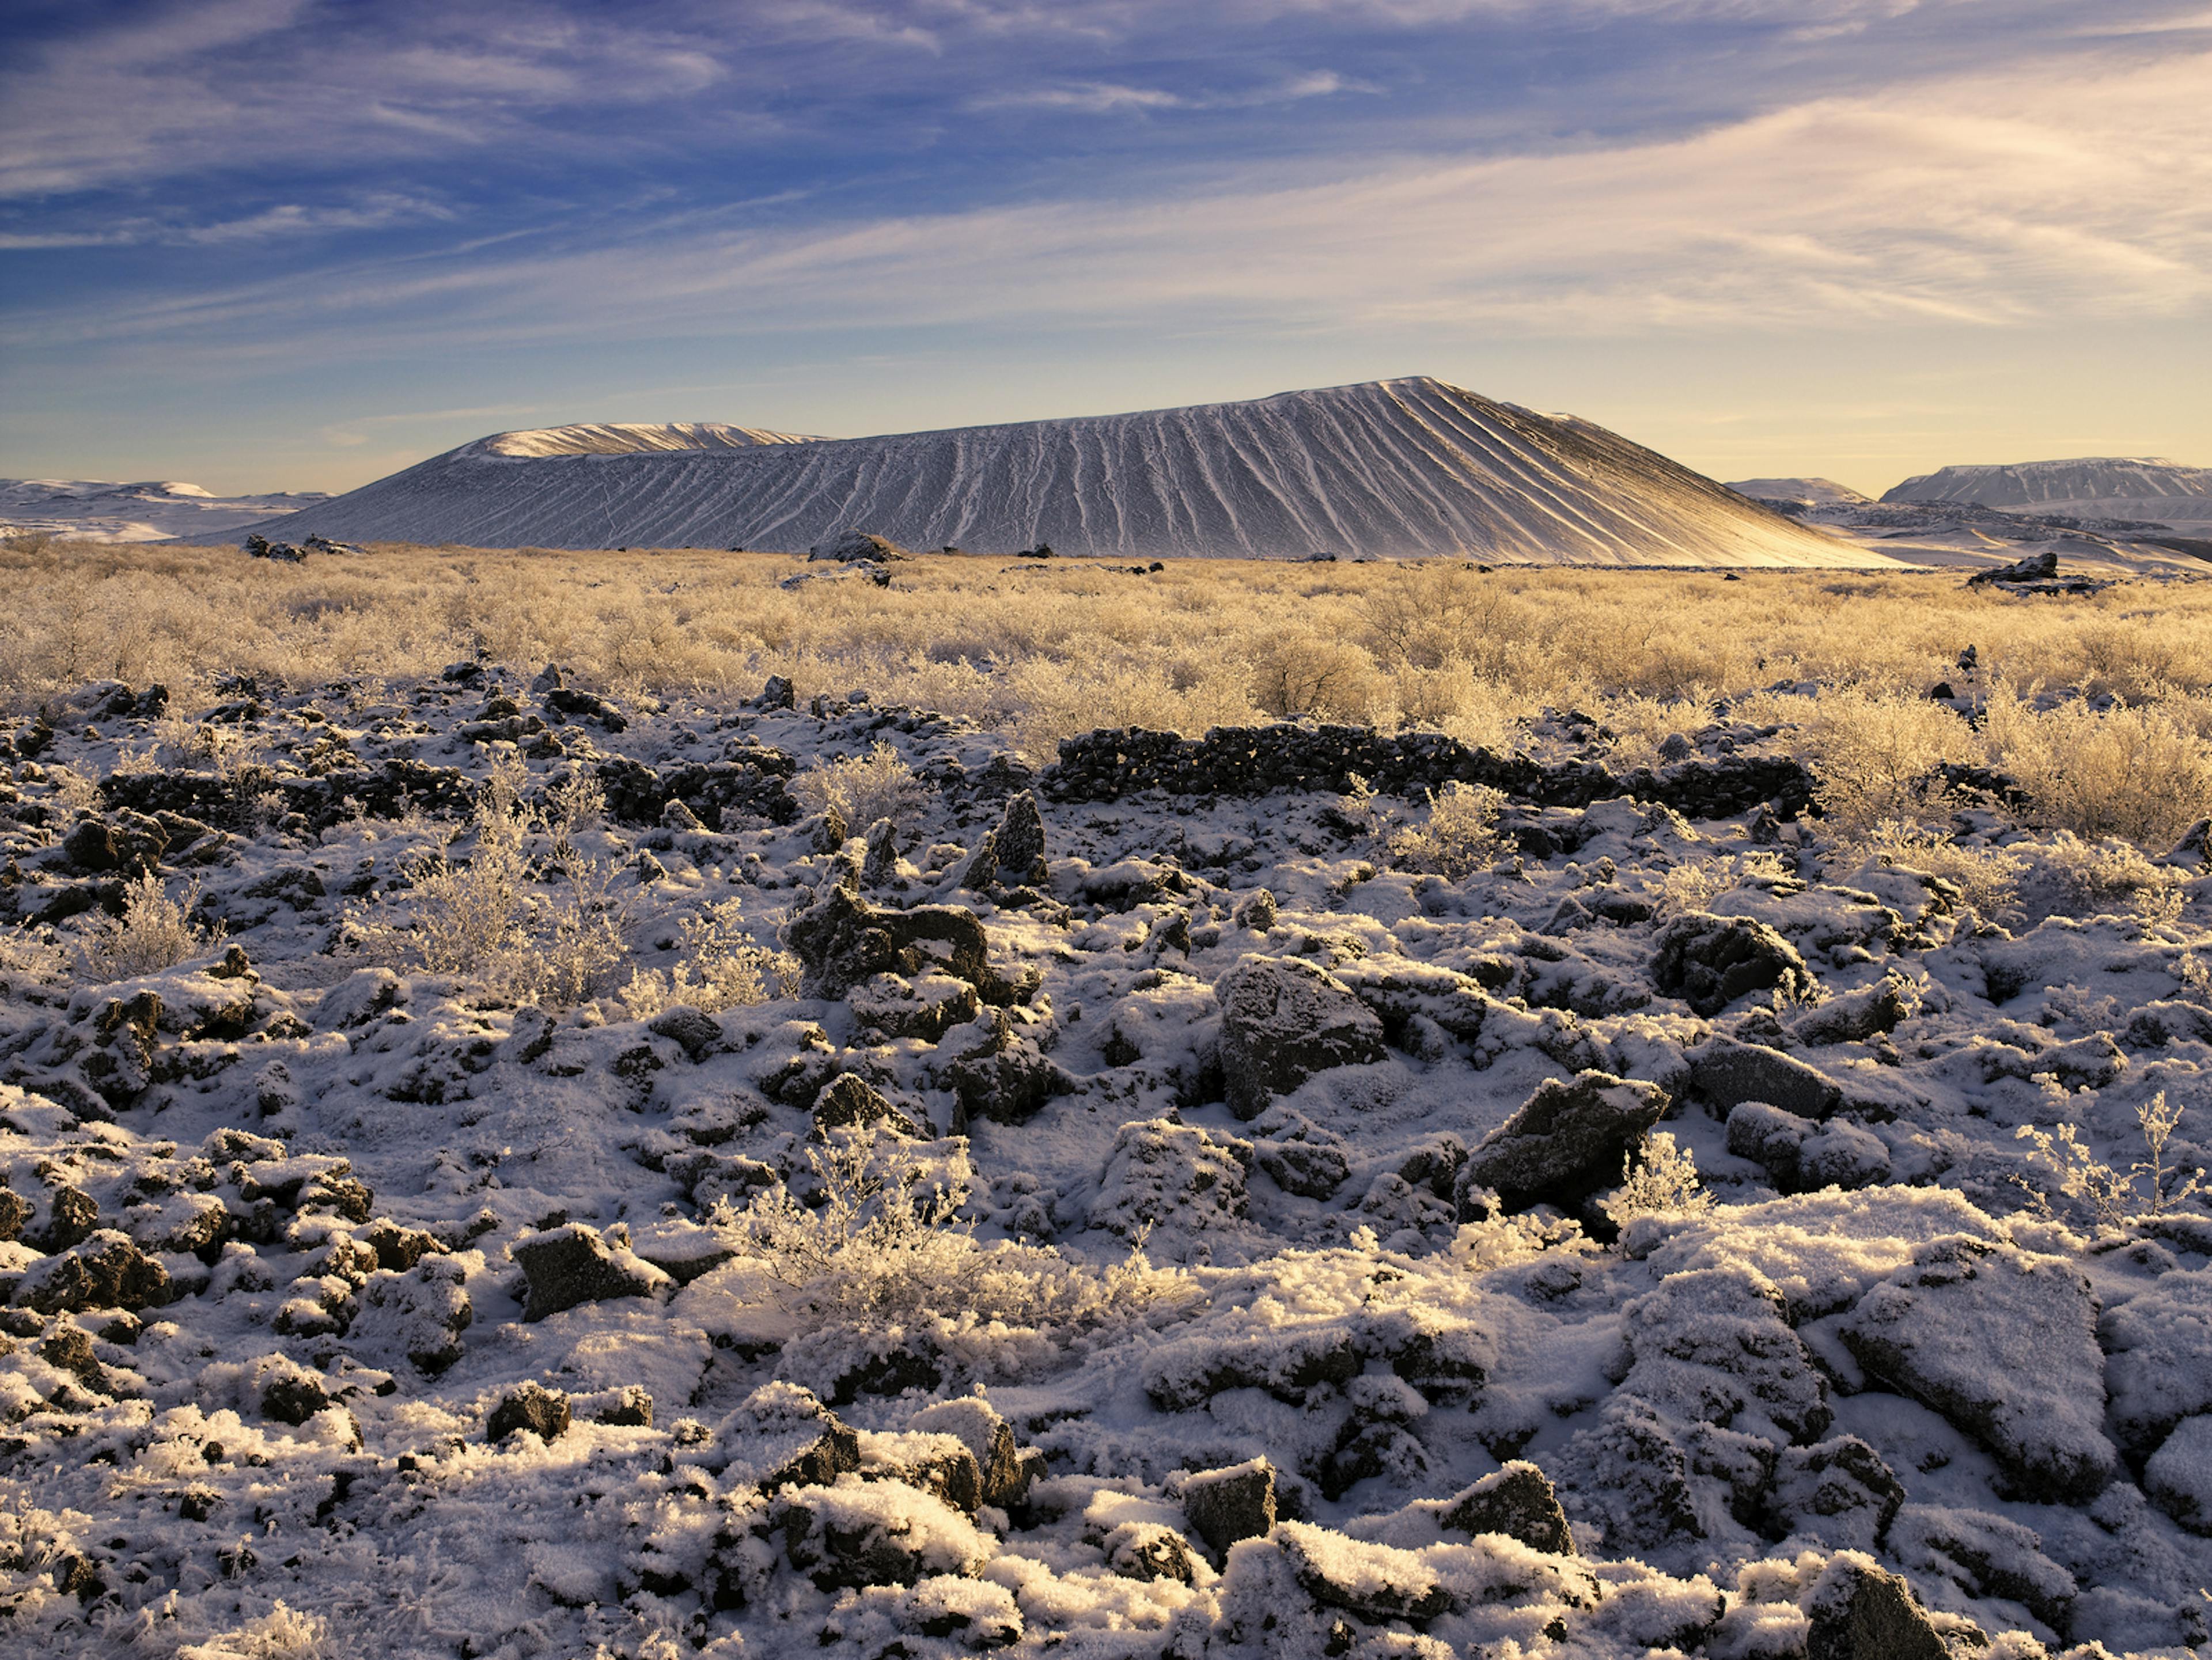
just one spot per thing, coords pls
(2003, 1343)
(874, 1533)
(858, 546)
(1712, 1346)
(1710, 961)
(1566, 1142)
(1172, 1176)
(1726, 1073)
(2160, 1369)
(1283, 1020)
(2179, 1474)
(103, 1271)
(1838, 1493)
(569, 1265)
(1858, 1611)
(1516, 1501)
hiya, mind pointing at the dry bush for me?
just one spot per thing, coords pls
(2126, 771)
(1300, 672)
(862, 789)
(1874, 755)
(1460, 836)
(1988, 879)
(153, 933)
(724, 968)
(490, 926)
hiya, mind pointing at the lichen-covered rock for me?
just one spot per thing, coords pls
(1283, 1021)
(859, 1533)
(103, 1271)
(1174, 1177)
(1858, 1611)
(544, 1412)
(1226, 1505)
(2003, 1344)
(1516, 1501)
(1838, 1493)
(842, 940)
(573, 1264)
(2160, 1365)
(1710, 961)
(1566, 1142)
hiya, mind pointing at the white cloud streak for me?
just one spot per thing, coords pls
(2069, 191)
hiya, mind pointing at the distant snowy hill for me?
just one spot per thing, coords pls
(1388, 469)
(1823, 491)
(152, 512)
(2095, 487)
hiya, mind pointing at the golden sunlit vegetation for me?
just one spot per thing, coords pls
(1044, 649)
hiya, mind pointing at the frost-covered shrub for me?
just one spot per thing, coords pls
(885, 1243)
(2131, 771)
(283, 1633)
(153, 933)
(725, 969)
(1461, 836)
(1298, 670)
(2113, 871)
(2113, 1197)
(862, 789)
(490, 924)
(1874, 756)
(1667, 1180)
(1694, 884)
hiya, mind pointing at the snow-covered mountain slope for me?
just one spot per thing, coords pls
(151, 512)
(1822, 491)
(1388, 469)
(632, 438)
(2093, 487)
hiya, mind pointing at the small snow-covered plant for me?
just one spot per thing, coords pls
(2115, 1198)
(30, 958)
(862, 787)
(884, 1240)
(153, 933)
(726, 969)
(487, 923)
(1988, 879)
(78, 794)
(2113, 871)
(1362, 807)
(2195, 974)
(1461, 836)
(574, 805)
(1666, 1180)
(283, 1633)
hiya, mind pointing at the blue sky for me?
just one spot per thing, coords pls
(268, 244)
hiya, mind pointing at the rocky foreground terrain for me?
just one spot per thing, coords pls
(590, 1183)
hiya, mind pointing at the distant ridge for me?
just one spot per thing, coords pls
(1820, 491)
(2089, 486)
(632, 438)
(1386, 469)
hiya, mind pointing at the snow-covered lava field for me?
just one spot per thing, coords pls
(530, 1150)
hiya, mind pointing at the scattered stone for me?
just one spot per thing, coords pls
(1709, 962)
(542, 1412)
(1226, 1505)
(1283, 1021)
(1566, 1143)
(571, 1264)
(859, 546)
(851, 1101)
(1516, 1501)
(1837, 1492)
(698, 1035)
(842, 940)
(1858, 1611)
